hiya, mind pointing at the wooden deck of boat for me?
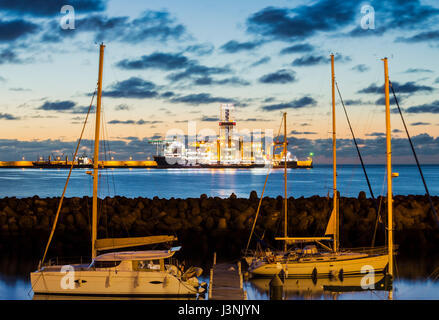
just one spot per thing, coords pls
(226, 281)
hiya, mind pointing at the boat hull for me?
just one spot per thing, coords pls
(345, 266)
(110, 283)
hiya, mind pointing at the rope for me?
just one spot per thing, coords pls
(67, 182)
(416, 157)
(259, 207)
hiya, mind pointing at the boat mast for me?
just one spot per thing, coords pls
(285, 181)
(389, 168)
(96, 155)
(334, 159)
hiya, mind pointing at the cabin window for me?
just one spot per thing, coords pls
(106, 264)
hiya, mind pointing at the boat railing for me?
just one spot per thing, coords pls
(369, 250)
(57, 261)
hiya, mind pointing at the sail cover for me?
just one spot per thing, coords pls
(115, 243)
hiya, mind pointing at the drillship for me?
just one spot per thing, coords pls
(228, 150)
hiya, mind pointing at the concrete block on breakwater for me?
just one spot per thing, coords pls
(208, 224)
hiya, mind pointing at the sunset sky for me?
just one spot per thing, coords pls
(169, 62)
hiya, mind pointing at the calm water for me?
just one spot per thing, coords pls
(412, 282)
(183, 183)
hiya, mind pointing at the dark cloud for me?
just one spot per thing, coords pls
(295, 104)
(425, 36)
(261, 61)
(209, 119)
(8, 116)
(151, 25)
(396, 131)
(312, 60)
(121, 107)
(375, 134)
(301, 22)
(360, 68)
(417, 70)
(11, 30)
(295, 132)
(201, 98)
(139, 122)
(157, 60)
(432, 107)
(9, 56)
(297, 48)
(195, 71)
(420, 123)
(133, 87)
(167, 94)
(205, 81)
(408, 87)
(200, 49)
(281, 76)
(58, 106)
(356, 102)
(41, 8)
(234, 46)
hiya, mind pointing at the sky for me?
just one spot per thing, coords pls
(169, 62)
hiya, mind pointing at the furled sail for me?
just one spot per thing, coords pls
(115, 243)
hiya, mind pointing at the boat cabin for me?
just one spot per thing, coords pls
(151, 260)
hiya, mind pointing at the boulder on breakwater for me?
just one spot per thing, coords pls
(207, 224)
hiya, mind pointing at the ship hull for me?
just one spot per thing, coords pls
(111, 283)
(347, 265)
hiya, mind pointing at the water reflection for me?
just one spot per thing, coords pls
(315, 288)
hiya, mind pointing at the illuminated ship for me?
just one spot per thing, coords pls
(228, 150)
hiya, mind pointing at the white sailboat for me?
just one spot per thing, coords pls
(312, 262)
(119, 273)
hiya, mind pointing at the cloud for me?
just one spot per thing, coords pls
(261, 61)
(151, 25)
(420, 123)
(139, 122)
(396, 131)
(133, 87)
(201, 98)
(356, 102)
(295, 104)
(425, 36)
(9, 56)
(301, 22)
(408, 87)
(279, 77)
(417, 70)
(295, 132)
(209, 119)
(312, 60)
(296, 48)
(8, 116)
(360, 68)
(43, 8)
(157, 60)
(234, 46)
(200, 49)
(375, 134)
(196, 70)
(58, 106)
(122, 107)
(432, 107)
(228, 81)
(11, 30)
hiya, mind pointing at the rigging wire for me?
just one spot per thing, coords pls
(67, 182)
(416, 157)
(362, 165)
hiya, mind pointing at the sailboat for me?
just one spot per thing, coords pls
(117, 273)
(310, 262)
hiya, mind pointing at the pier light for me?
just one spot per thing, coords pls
(22, 158)
(112, 158)
(131, 158)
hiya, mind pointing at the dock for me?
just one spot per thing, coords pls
(226, 281)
